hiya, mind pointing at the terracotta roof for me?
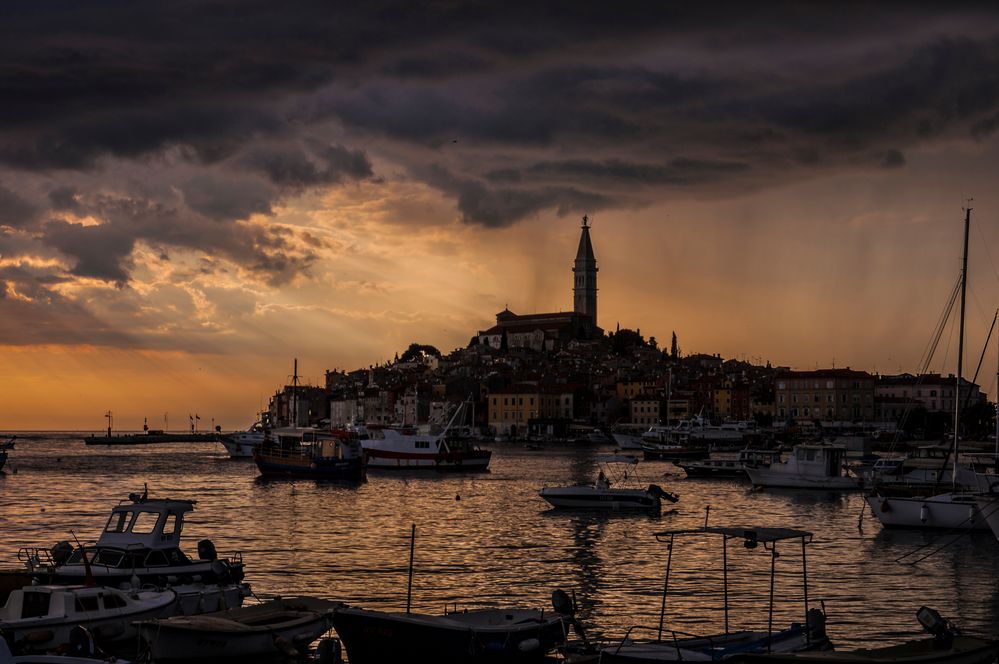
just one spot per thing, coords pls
(825, 373)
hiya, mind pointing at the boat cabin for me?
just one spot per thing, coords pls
(35, 602)
(819, 460)
(148, 524)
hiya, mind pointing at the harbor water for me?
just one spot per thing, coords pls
(488, 540)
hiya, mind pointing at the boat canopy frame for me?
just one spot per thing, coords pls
(751, 536)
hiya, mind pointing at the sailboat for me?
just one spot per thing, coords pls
(955, 509)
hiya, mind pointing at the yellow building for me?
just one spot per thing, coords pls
(511, 409)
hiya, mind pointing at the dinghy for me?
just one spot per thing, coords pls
(280, 626)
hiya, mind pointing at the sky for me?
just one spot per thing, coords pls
(193, 194)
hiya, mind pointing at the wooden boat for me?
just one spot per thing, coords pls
(946, 646)
(280, 626)
(310, 453)
(466, 637)
(672, 645)
(39, 618)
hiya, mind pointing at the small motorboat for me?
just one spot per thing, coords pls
(731, 468)
(40, 618)
(602, 495)
(947, 646)
(141, 540)
(280, 626)
(240, 444)
(81, 649)
(461, 637)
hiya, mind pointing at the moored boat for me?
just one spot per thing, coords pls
(240, 444)
(466, 637)
(141, 540)
(39, 618)
(810, 466)
(280, 626)
(602, 495)
(311, 453)
(729, 468)
(947, 511)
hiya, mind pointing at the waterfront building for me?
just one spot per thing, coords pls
(933, 392)
(827, 395)
(645, 410)
(512, 408)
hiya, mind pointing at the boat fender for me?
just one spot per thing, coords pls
(285, 646)
(529, 645)
(924, 513)
(972, 510)
(329, 652)
(885, 507)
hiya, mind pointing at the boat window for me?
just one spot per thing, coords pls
(114, 602)
(109, 557)
(117, 522)
(35, 605)
(88, 603)
(422, 444)
(156, 559)
(170, 524)
(145, 522)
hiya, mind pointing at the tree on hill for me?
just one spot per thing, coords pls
(417, 352)
(624, 340)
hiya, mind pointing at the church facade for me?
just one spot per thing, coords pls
(548, 331)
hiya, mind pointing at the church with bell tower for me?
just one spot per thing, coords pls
(548, 331)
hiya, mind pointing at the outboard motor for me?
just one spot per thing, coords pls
(81, 642)
(941, 628)
(61, 552)
(656, 490)
(206, 550)
(566, 606)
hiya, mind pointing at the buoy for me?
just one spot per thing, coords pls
(457, 497)
(529, 645)
(885, 507)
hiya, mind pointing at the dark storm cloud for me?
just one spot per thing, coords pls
(182, 126)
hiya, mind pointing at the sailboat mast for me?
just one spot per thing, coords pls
(960, 345)
(294, 394)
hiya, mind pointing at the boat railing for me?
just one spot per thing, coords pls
(673, 635)
(35, 558)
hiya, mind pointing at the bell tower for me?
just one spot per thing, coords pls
(584, 273)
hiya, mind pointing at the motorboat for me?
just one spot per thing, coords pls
(81, 649)
(953, 510)
(674, 645)
(311, 453)
(729, 468)
(405, 448)
(602, 495)
(280, 626)
(810, 466)
(947, 646)
(627, 441)
(4, 448)
(700, 431)
(39, 618)
(508, 635)
(139, 545)
(240, 444)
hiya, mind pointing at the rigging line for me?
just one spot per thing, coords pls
(981, 310)
(988, 254)
(950, 336)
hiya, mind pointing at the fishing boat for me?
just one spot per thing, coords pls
(4, 448)
(394, 448)
(810, 466)
(278, 627)
(949, 510)
(462, 637)
(39, 618)
(947, 646)
(674, 645)
(729, 468)
(311, 453)
(602, 495)
(240, 444)
(139, 545)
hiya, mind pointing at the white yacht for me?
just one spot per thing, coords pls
(240, 444)
(950, 511)
(602, 495)
(810, 466)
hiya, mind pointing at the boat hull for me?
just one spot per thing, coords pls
(772, 478)
(352, 469)
(988, 506)
(963, 650)
(584, 497)
(249, 632)
(935, 512)
(465, 461)
(627, 442)
(673, 453)
(489, 635)
(714, 468)
(718, 647)
(239, 449)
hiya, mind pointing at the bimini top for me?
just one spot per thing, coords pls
(146, 523)
(749, 533)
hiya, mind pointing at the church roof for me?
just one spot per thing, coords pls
(585, 251)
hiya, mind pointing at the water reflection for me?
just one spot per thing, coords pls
(490, 540)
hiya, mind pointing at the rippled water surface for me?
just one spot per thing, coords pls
(489, 540)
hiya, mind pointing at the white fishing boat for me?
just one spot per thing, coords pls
(390, 448)
(142, 540)
(810, 466)
(602, 495)
(280, 626)
(240, 444)
(39, 618)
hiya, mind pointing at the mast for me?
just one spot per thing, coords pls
(960, 346)
(294, 394)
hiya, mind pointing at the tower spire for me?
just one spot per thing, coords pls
(584, 270)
